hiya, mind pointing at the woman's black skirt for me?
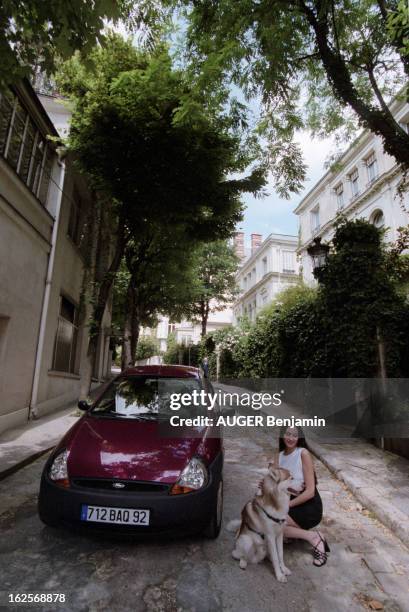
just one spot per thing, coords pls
(308, 514)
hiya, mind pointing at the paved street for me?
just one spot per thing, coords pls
(367, 562)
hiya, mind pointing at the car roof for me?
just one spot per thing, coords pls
(176, 371)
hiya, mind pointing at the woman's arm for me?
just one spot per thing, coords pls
(309, 479)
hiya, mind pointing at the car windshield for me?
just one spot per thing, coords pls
(147, 397)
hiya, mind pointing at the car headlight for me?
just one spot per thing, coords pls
(58, 470)
(193, 477)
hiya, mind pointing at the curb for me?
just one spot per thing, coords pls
(384, 511)
(23, 463)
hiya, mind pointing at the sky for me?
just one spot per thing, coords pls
(275, 215)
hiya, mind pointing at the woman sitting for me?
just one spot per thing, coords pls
(305, 502)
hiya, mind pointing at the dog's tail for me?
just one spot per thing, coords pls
(233, 525)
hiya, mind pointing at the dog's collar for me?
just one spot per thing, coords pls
(276, 520)
(255, 531)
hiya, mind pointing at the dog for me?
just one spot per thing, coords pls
(260, 530)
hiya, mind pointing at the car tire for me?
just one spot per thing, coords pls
(213, 528)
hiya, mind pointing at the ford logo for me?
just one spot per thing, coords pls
(118, 485)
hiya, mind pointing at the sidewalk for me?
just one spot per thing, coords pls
(378, 479)
(22, 445)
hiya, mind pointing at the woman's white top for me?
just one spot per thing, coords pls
(293, 463)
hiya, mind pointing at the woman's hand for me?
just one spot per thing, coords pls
(295, 492)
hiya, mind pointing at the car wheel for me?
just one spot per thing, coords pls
(213, 529)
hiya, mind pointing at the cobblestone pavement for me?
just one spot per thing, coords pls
(368, 567)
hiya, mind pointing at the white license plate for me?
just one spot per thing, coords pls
(119, 516)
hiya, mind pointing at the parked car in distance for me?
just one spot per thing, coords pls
(114, 469)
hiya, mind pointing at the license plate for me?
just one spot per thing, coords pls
(118, 516)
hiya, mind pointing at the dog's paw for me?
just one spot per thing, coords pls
(281, 578)
(286, 571)
(243, 564)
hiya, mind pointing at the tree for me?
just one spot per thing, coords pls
(171, 356)
(159, 282)
(362, 307)
(317, 64)
(214, 277)
(159, 154)
(147, 347)
(38, 33)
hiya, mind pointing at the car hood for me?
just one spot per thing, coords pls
(125, 449)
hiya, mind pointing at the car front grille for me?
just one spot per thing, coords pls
(112, 485)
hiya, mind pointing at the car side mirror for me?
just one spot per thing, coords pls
(84, 405)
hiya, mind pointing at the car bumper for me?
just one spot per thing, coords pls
(169, 514)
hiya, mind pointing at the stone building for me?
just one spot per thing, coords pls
(42, 209)
(271, 267)
(363, 185)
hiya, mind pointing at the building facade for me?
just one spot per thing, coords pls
(364, 185)
(187, 332)
(42, 344)
(271, 267)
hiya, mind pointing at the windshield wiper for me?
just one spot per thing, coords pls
(118, 415)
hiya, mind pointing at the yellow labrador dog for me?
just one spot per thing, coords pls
(260, 531)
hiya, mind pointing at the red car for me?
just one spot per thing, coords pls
(115, 470)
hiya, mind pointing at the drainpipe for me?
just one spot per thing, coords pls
(32, 411)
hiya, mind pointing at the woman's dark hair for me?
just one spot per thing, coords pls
(302, 442)
(301, 437)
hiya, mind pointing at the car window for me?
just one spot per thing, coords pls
(148, 397)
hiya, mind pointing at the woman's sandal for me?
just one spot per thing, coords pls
(318, 555)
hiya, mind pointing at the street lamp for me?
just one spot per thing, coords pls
(319, 255)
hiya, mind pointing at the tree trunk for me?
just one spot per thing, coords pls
(126, 359)
(85, 308)
(205, 315)
(135, 327)
(102, 296)
(381, 122)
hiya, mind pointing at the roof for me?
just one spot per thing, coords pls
(271, 238)
(178, 371)
(26, 92)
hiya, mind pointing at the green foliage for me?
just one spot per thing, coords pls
(329, 67)
(171, 356)
(161, 275)
(398, 26)
(213, 286)
(147, 347)
(164, 172)
(119, 302)
(182, 354)
(132, 138)
(37, 33)
(360, 302)
(333, 330)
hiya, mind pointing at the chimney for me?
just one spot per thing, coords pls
(256, 240)
(238, 242)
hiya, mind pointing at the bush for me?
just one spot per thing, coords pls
(172, 350)
(182, 354)
(147, 347)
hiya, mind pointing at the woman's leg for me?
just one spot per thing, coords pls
(292, 530)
